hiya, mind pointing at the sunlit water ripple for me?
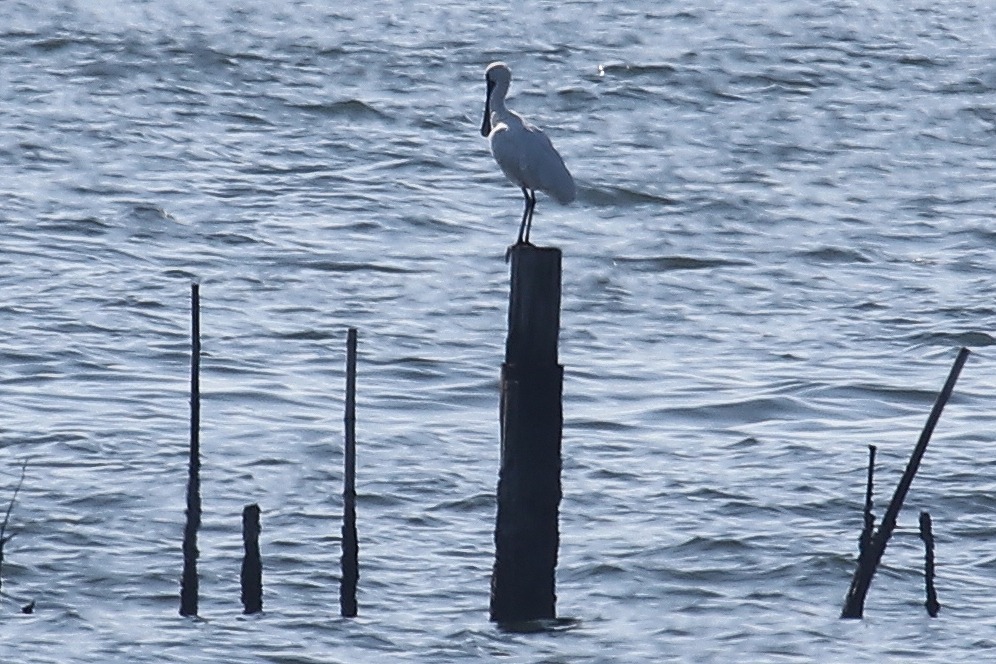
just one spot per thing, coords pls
(783, 235)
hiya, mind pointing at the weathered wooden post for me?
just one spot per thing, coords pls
(350, 544)
(252, 564)
(189, 581)
(531, 413)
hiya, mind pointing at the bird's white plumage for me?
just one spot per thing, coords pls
(527, 158)
(523, 152)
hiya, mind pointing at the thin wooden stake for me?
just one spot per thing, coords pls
(927, 535)
(854, 603)
(866, 532)
(350, 543)
(4, 538)
(189, 582)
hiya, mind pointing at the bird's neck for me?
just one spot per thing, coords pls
(500, 115)
(498, 108)
(497, 101)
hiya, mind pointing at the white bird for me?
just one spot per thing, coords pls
(524, 153)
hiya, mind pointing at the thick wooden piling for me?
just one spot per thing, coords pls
(350, 544)
(927, 535)
(252, 564)
(854, 603)
(523, 584)
(189, 581)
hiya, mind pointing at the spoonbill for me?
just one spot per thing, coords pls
(523, 152)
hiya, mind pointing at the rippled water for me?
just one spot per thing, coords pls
(783, 235)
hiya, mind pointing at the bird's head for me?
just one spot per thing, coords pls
(498, 72)
(498, 76)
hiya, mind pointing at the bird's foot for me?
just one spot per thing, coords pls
(520, 243)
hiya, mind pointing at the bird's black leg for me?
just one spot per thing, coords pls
(527, 221)
(531, 205)
(525, 218)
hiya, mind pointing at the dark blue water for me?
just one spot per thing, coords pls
(782, 237)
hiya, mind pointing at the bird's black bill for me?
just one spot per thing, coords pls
(486, 125)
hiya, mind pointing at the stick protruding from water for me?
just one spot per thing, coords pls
(4, 537)
(854, 603)
(927, 535)
(866, 532)
(189, 581)
(252, 564)
(350, 543)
